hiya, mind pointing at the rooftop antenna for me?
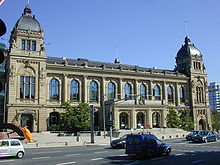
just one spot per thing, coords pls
(186, 26)
(28, 2)
(116, 52)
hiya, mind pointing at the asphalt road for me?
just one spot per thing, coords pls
(183, 153)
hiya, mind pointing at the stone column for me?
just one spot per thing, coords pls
(136, 91)
(177, 94)
(133, 119)
(150, 90)
(164, 93)
(65, 86)
(120, 89)
(149, 117)
(85, 90)
(163, 117)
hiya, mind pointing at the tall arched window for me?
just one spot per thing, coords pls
(156, 92)
(54, 89)
(199, 94)
(170, 94)
(111, 91)
(143, 91)
(93, 90)
(127, 91)
(74, 90)
(182, 95)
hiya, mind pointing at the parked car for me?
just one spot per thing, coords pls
(11, 147)
(205, 136)
(145, 145)
(192, 135)
(119, 143)
(216, 134)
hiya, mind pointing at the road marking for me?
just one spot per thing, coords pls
(123, 155)
(73, 155)
(178, 154)
(45, 152)
(97, 159)
(132, 163)
(198, 161)
(66, 163)
(46, 157)
(3, 161)
(100, 152)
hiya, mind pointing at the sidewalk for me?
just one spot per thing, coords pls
(52, 140)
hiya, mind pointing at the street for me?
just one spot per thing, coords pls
(183, 152)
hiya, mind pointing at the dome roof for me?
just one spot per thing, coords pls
(28, 22)
(188, 49)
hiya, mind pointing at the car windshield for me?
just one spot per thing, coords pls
(159, 142)
(204, 133)
(195, 132)
(123, 137)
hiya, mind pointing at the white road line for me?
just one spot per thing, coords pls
(45, 152)
(198, 161)
(132, 163)
(73, 155)
(97, 159)
(46, 157)
(66, 163)
(100, 152)
(123, 155)
(178, 154)
(3, 161)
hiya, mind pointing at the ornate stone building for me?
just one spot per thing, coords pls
(38, 84)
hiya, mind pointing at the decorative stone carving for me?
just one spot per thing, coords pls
(42, 76)
(12, 74)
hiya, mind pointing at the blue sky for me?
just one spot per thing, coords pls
(146, 33)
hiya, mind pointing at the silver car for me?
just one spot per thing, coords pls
(11, 147)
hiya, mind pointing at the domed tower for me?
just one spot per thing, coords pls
(26, 65)
(190, 62)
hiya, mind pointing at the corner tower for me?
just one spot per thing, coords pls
(26, 65)
(190, 62)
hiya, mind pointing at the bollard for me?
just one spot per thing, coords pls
(36, 144)
(66, 143)
(77, 138)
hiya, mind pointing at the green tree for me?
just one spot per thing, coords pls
(180, 119)
(186, 119)
(215, 116)
(173, 120)
(75, 118)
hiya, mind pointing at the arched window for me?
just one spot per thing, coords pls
(170, 94)
(156, 93)
(93, 89)
(127, 91)
(140, 120)
(74, 90)
(111, 91)
(27, 87)
(143, 91)
(156, 120)
(54, 89)
(182, 94)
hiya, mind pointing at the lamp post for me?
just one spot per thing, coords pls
(92, 122)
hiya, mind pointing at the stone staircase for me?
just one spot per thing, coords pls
(161, 133)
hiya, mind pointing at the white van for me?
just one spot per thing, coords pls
(11, 147)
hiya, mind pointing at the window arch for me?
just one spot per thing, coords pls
(143, 91)
(93, 91)
(156, 92)
(182, 94)
(127, 92)
(74, 90)
(170, 94)
(54, 89)
(111, 90)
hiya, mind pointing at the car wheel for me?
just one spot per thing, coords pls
(168, 152)
(20, 155)
(149, 155)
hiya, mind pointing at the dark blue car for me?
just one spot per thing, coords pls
(206, 136)
(192, 135)
(145, 145)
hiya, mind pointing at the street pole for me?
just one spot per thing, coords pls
(92, 122)
(111, 122)
(103, 111)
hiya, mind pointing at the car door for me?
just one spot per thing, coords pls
(14, 147)
(4, 148)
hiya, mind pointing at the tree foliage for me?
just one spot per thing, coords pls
(75, 118)
(215, 120)
(180, 119)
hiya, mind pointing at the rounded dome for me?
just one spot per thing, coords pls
(28, 22)
(188, 49)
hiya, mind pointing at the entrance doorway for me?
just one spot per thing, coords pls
(27, 120)
(202, 124)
